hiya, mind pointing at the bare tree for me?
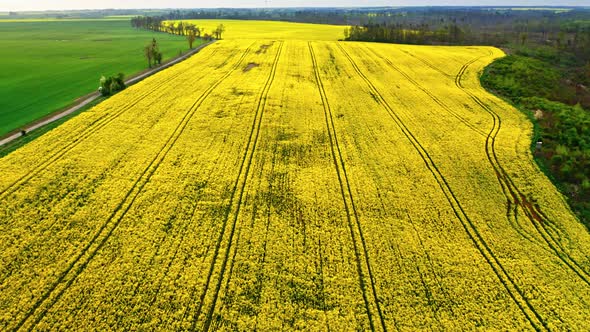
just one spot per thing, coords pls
(190, 37)
(219, 31)
(152, 53)
(180, 28)
(148, 54)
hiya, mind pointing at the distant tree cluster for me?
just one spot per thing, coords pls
(305, 15)
(112, 84)
(407, 34)
(572, 36)
(154, 23)
(191, 31)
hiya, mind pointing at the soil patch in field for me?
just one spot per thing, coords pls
(263, 48)
(250, 66)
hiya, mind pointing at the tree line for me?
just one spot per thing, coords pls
(571, 36)
(158, 23)
(407, 34)
(191, 31)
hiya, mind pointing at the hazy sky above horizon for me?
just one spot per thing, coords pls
(22, 5)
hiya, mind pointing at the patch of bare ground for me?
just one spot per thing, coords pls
(250, 66)
(264, 48)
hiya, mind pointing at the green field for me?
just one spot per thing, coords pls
(49, 64)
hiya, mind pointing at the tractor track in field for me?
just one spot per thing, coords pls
(387, 183)
(131, 196)
(115, 115)
(244, 171)
(437, 276)
(441, 103)
(456, 79)
(231, 267)
(142, 280)
(169, 265)
(514, 196)
(268, 213)
(81, 136)
(430, 94)
(448, 109)
(14, 261)
(231, 270)
(9, 267)
(154, 297)
(517, 295)
(176, 245)
(351, 211)
(428, 64)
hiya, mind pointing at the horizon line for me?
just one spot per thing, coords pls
(300, 7)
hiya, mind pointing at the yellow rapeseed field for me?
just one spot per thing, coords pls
(236, 29)
(292, 185)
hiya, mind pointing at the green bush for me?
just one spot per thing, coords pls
(565, 132)
(112, 84)
(516, 76)
(547, 54)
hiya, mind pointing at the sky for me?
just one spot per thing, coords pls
(24, 5)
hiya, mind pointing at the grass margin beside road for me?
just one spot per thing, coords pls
(80, 105)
